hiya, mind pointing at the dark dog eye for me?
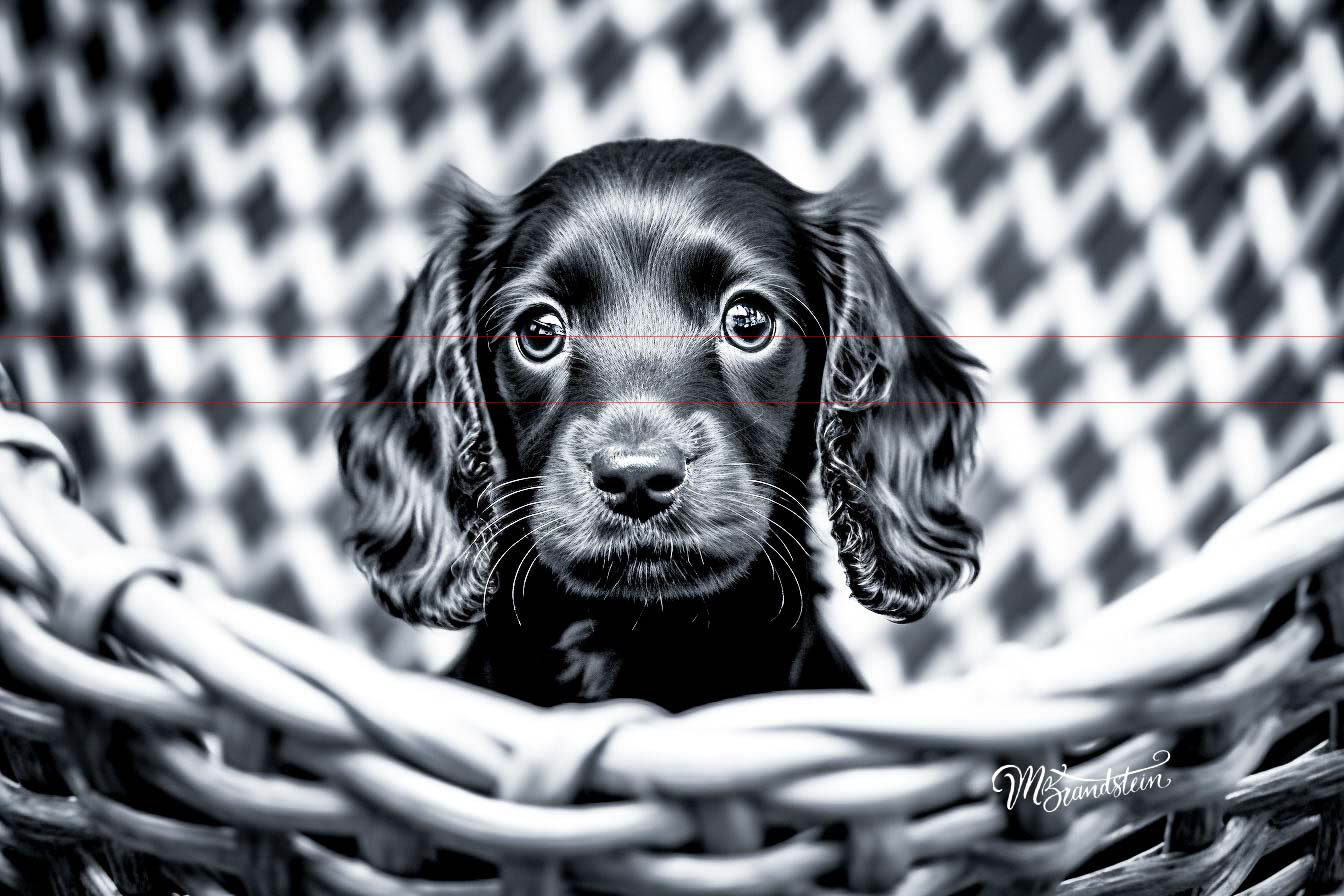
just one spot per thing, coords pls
(748, 324)
(541, 335)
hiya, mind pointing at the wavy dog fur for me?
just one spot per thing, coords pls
(414, 441)
(897, 427)
(889, 411)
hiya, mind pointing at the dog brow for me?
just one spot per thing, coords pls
(497, 312)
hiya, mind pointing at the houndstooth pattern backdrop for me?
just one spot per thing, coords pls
(1133, 211)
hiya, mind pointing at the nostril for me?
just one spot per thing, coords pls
(609, 482)
(665, 480)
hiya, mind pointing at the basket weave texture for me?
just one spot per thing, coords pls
(161, 736)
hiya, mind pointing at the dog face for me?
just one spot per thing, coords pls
(645, 345)
(661, 338)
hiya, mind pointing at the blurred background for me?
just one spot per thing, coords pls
(1132, 211)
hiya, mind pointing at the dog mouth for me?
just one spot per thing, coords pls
(603, 554)
(643, 572)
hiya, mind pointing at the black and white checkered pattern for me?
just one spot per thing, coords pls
(1047, 169)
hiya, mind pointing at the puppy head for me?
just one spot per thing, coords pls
(660, 338)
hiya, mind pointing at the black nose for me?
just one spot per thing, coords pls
(641, 479)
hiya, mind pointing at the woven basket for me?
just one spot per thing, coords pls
(160, 736)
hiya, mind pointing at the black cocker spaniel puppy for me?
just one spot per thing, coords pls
(592, 429)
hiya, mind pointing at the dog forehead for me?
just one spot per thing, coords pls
(655, 257)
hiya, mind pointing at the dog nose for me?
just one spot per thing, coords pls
(640, 478)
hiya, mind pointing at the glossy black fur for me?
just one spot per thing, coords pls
(469, 464)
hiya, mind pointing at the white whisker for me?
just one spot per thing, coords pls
(491, 574)
(491, 529)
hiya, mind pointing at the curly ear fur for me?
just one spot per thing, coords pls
(413, 434)
(896, 428)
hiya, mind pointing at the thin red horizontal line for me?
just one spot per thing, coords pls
(36, 336)
(684, 403)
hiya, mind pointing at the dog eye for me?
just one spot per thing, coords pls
(541, 335)
(748, 325)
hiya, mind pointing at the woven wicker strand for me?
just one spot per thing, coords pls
(153, 727)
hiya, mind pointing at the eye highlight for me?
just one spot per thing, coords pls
(748, 323)
(540, 334)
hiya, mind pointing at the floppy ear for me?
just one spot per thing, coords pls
(413, 434)
(896, 427)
